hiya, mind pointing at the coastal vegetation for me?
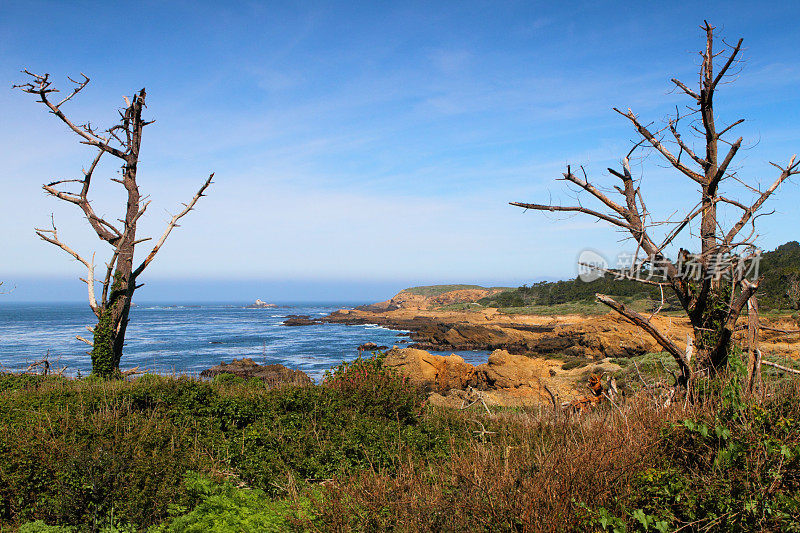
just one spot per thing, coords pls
(364, 451)
(668, 436)
(779, 271)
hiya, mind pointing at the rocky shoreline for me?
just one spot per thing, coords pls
(432, 326)
(595, 337)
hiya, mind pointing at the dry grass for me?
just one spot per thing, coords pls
(525, 476)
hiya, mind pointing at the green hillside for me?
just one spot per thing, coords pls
(779, 290)
(436, 290)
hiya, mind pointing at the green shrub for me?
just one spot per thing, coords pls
(223, 508)
(91, 453)
(40, 527)
(371, 387)
(734, 467)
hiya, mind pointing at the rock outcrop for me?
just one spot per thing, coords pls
(371, 347)
(300, 320)
(434, 373)
(259, 304)
(505, 380)
(595, 337)
(272, 375)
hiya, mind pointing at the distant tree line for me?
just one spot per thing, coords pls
(779, 288)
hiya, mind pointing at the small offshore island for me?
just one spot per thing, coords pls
(258, 304)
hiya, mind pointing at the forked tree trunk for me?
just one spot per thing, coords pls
(122, 141)
(112, 323)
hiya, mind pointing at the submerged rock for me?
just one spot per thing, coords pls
(272, 375)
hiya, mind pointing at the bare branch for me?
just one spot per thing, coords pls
(642, 322)
(685, 147)
(727, 161)
(686, 89)
(622, 275)
(655, 143)
(105, 230)
(76, 90)
(601, 216)
(51, 236)
(778, 330)
(790, 170)
(90, 343)
(594, 191)
(780, 367)
(728, 63)
(725, 130)
(170, 226)
(41, 87)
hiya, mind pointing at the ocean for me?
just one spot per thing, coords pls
(188, 338)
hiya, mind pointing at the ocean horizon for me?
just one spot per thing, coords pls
(188, 337)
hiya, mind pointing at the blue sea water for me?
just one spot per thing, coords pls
(189, 338)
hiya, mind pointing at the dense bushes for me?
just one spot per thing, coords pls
(362, 452)
(736, 468)
(86, 452)
(548, 293)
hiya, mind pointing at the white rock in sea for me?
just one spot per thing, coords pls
(259, 304)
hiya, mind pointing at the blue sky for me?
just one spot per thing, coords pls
(374, 144)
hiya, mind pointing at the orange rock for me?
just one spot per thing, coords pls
(432, 372)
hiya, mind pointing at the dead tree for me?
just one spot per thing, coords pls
(123, 142)
(712, 301)
(793, 290)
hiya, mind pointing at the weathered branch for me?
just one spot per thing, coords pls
(778, 330)
(728, 63)
(723, 167)
(686, 89)
(658, 145)
(594, 191)
(780, 367)
(170, 226)
(577, 209)
(105, 230)
(790, 170)
(637, 319)
(41, 87)
(685, 147)
(51, 236)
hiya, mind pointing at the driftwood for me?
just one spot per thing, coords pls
(780, 367)
(478, 397)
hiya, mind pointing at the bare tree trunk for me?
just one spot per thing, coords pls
(754, 353)
(122, 141)
(112, 324)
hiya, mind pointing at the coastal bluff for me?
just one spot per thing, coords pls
(447, 317)
(450, 318)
